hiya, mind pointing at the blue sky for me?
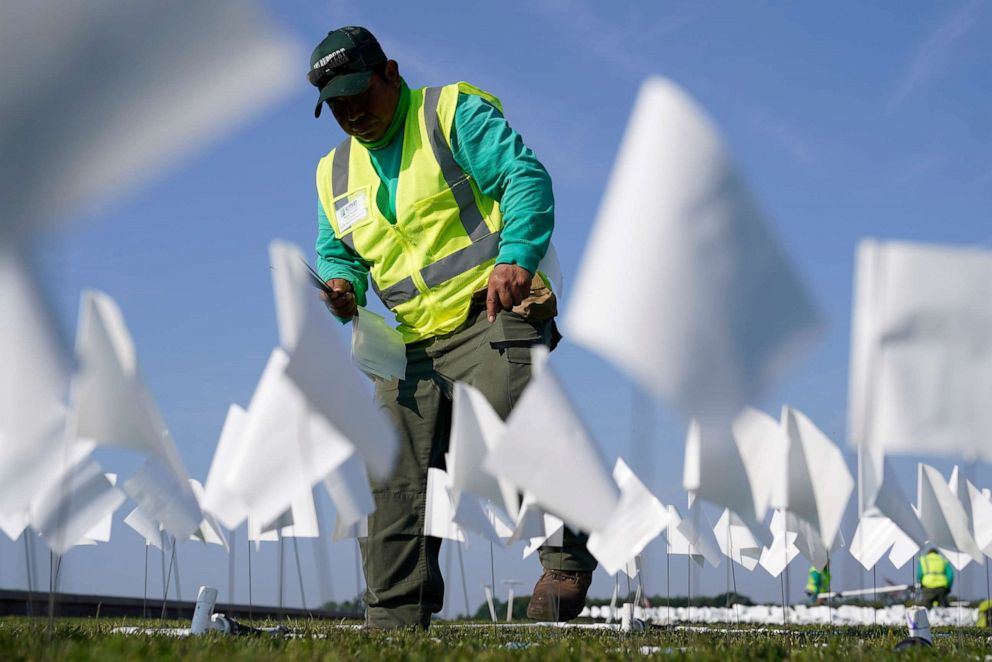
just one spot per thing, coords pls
(847, 119)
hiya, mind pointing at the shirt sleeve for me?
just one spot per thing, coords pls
(336, 260)
(949, 571)
(505, 169)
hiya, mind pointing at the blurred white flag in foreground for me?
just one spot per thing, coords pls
(99, 95)
(349, 489)
(100, 532)
(69, 510)
(921, 360)
(319, 365)
(708, 310)
(112, 406)
(35, 452)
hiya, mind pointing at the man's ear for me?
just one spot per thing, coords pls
(392, 73)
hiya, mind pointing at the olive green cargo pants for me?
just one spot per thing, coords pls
(402, 573)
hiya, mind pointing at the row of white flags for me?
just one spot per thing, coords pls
(710, 314)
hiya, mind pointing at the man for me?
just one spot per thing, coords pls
(436, 197)
(936, 577)
(817, 582)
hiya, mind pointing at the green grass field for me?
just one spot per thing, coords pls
(88, 639)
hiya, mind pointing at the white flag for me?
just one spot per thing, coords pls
(320, 367)
(639, 518)
(150, 82)
(34, 448)
(817, 483)
(943, 516)
(921, 361)
(476, 428)
(67, 511)
(708, 311)
(777, 557)
(728, 465)
(223, 503)
(981, 512)
(565, 471)
(284, 449)
(737, 541)
(349, 489)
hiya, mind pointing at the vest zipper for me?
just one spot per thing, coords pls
(415, 276)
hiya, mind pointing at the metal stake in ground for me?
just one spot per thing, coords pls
(144, 594)
(27, 563)
(299, 574)
(461, 567)
(175, 565)
(279, 572)
(168, 579)
(230, 571)
(251, 616)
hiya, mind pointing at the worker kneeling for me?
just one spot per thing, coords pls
(936, 577)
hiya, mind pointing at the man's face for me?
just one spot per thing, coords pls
(367, 115)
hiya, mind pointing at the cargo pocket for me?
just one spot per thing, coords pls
(513, 337)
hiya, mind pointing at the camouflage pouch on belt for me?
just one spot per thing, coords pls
(540, 305)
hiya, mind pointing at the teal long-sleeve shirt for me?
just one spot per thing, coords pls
(495, 156)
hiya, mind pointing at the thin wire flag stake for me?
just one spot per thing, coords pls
(144, 594)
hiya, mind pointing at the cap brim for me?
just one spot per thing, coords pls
(345, 85)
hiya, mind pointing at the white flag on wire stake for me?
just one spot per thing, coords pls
(709, 311)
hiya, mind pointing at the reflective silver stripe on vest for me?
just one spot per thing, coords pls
(397, 293)
(339, 181)
(437, 273)
(471, 217)
(461, 260)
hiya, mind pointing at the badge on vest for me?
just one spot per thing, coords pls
(351, 209)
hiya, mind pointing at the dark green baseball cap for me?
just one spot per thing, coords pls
(343, 62)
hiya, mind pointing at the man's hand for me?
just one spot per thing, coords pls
(341, 300)
(509, 284)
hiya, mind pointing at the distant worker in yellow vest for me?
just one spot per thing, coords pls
(439, 200)
(985, 614)
(817, 582)
(935, 576)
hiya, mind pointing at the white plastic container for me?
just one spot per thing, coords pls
(206, 598)
(919, 623)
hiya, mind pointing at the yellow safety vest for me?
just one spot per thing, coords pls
(818, 581)
(442, 249)
(934, 567)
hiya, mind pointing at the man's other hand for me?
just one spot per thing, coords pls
(509, 284)
(341, 300)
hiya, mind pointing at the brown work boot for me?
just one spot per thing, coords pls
(559, 595)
